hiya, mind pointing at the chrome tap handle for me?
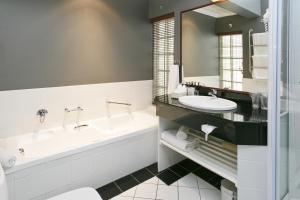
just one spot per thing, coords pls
(73, 110)
(118, 103)
(78, 110)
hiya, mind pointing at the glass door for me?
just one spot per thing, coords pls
(294, 97)
(288, 133)
(283, 138)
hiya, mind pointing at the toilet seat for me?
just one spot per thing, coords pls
(79, 194)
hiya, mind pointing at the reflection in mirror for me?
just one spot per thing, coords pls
(223, 49)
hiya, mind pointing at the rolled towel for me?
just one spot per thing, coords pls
(7, 160)
(186, 145)
(173, 78)
(180, 91)
(181, 133)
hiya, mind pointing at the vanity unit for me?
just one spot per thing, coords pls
(235, 150)
(212, 50)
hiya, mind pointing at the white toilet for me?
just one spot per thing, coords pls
(79, 194)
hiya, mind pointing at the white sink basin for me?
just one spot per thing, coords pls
(208, 103)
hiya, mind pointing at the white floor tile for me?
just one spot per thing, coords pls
(188, 181)
(153, 180)
(146, 191)
(210, 194)
(122, 198)
(129, 193)
(187, 193)
(175, 184)
(204, 185)
(167, 192)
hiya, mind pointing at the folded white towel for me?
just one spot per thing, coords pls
(7, 160)
(180, 91)
(182, 133)
(186, 145)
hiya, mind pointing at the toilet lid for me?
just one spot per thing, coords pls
(79, 194)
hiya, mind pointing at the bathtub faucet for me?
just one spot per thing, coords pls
(74, 110)
(118, 103)
(78, 110)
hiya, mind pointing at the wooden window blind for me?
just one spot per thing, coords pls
(163, 54)
(231, 61)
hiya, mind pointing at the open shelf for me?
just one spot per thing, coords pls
(213, 163)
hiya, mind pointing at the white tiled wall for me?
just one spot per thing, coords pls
(252, 172)
(255, 85)
(18, 107)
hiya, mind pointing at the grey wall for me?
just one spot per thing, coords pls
(199, 45)
(162, 7)
(61, 42)
(251, 5)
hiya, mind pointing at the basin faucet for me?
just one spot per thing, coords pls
(78, 110)
(213, 93)
(118, 103)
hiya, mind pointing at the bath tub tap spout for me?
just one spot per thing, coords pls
(78, 110)
(118, 103)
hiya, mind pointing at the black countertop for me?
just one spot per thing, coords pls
(242, 126)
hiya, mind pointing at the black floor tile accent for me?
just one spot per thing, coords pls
(143, 175)
(205, 174)
(189, 165)
(126, 182)
(216, 181)
(209, 177)
(168, 176)
(109, 191)
(179, 170)
(153, 169)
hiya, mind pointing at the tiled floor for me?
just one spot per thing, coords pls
(189, 187)
(183, 181)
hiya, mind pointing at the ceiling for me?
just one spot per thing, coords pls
(215, 11)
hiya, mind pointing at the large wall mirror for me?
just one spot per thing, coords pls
(221, 49)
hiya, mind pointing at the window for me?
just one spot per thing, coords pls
(231, 61)
(163, 54)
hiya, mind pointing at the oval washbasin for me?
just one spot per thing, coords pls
(208, 103)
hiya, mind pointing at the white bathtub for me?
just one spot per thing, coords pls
(129, 137)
